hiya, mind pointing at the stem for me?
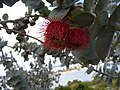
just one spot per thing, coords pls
(106, 74)
(9, 46)
(34, 38)
(14, 60)
(16, 20)
(22, 34)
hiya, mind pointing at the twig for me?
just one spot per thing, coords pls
(22, 34)
(16, 20)
(34, 38)
(9, 46)
(105, 74)
(14, 60)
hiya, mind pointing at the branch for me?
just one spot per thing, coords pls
(34, 38)
(16, 20)
(105, 74)
(22, 34)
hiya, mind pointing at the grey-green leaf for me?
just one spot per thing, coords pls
(113, 69)
(105, 66)
(9, 2)
(3, 44)
(50, 65)
(67, 3)
(103, 43)
(40, 6)
(109, 82)
(24, 1)
(89, 5)
(90, 69)
(50, 1)
(5, 16)
(100, 22)
(62, 60)
(58, 14)
(35, 4)
(87, 55)
(13, 81)
(102, 5)
(115, 17)
(83, 19)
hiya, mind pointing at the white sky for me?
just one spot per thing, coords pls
(14, 12)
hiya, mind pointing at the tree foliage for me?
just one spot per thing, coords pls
(101, 19)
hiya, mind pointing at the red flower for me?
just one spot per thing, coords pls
(58, 36)
(55, 35)
(77, 38)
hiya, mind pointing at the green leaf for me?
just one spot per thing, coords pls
(58, 14)
(102, 5)
(83, 19)
(9, 2)
(115, 17)
(87, 55)
(89, 5)
(100, 23)
(5, 16)
(103, 42)
(90, 69)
